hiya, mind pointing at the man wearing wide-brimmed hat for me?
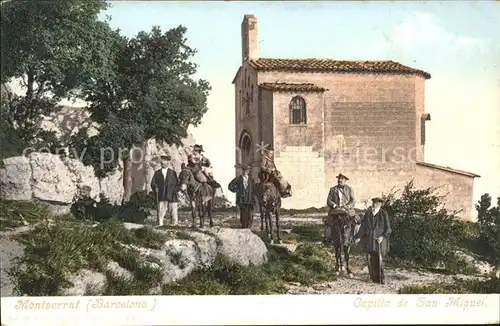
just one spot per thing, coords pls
(246, 196)
(198, 163)
(340, 200)
(165, 186)
(373, 234)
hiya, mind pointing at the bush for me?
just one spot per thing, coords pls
(86, 208)
(423, 233)
(143, 199)
(489, 227)
(224, 278)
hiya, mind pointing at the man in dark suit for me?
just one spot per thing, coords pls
(373, 234)
(165, 186)
(246, 196)
(340, 199)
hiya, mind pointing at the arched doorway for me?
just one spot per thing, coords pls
(246, 148)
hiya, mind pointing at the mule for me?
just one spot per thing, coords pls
(269, 203)
(201, 198)
(342, 234)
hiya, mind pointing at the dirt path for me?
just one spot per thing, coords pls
(361, 284)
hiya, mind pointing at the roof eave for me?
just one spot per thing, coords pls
(293, 90)
(422, 73)
(276, 89)
(448, 169)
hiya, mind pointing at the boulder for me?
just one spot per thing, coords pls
(112, 186)
(82, 175)
(51, 179)
(240, 246)
(181, 257)
(15, 179)
(54, 180)
(85, 282)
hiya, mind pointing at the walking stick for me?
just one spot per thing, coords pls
(157, 205)
(379, 264)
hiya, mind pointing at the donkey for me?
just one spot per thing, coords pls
(342, 233)
(269, 202)
(201, 197)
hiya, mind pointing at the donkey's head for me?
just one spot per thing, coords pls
(269, 194)
(185, 178)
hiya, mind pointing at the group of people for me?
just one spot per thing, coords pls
(372, 230)
(165, 182)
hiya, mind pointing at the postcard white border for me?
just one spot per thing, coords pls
(252, 310)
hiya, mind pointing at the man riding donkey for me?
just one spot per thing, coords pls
(201, 167)
(269, 173)
(341, 222)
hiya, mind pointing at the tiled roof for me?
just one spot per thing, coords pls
(448, 169)
(327, 65)
(305, 87)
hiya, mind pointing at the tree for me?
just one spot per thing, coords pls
(54, 47)
(152, 94)
(488, 218)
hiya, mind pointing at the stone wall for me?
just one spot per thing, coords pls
(458, 188)
(311, 134)
(247, 115)
(308, 186)
(364, 126)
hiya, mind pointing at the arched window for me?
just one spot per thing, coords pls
(246, 148)
(298, 114)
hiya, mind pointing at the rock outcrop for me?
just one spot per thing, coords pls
(15, 179)
(55, 180)
(180, 257)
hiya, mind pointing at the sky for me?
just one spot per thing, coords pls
(457, 42)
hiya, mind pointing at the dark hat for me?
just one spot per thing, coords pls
(246, 167)
(270, 147)
(198, 148)
(377, 199)
(165, 157)
(342, 176)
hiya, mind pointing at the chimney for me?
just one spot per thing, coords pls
(249, 38)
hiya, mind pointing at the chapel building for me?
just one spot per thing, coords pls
(364, 119)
